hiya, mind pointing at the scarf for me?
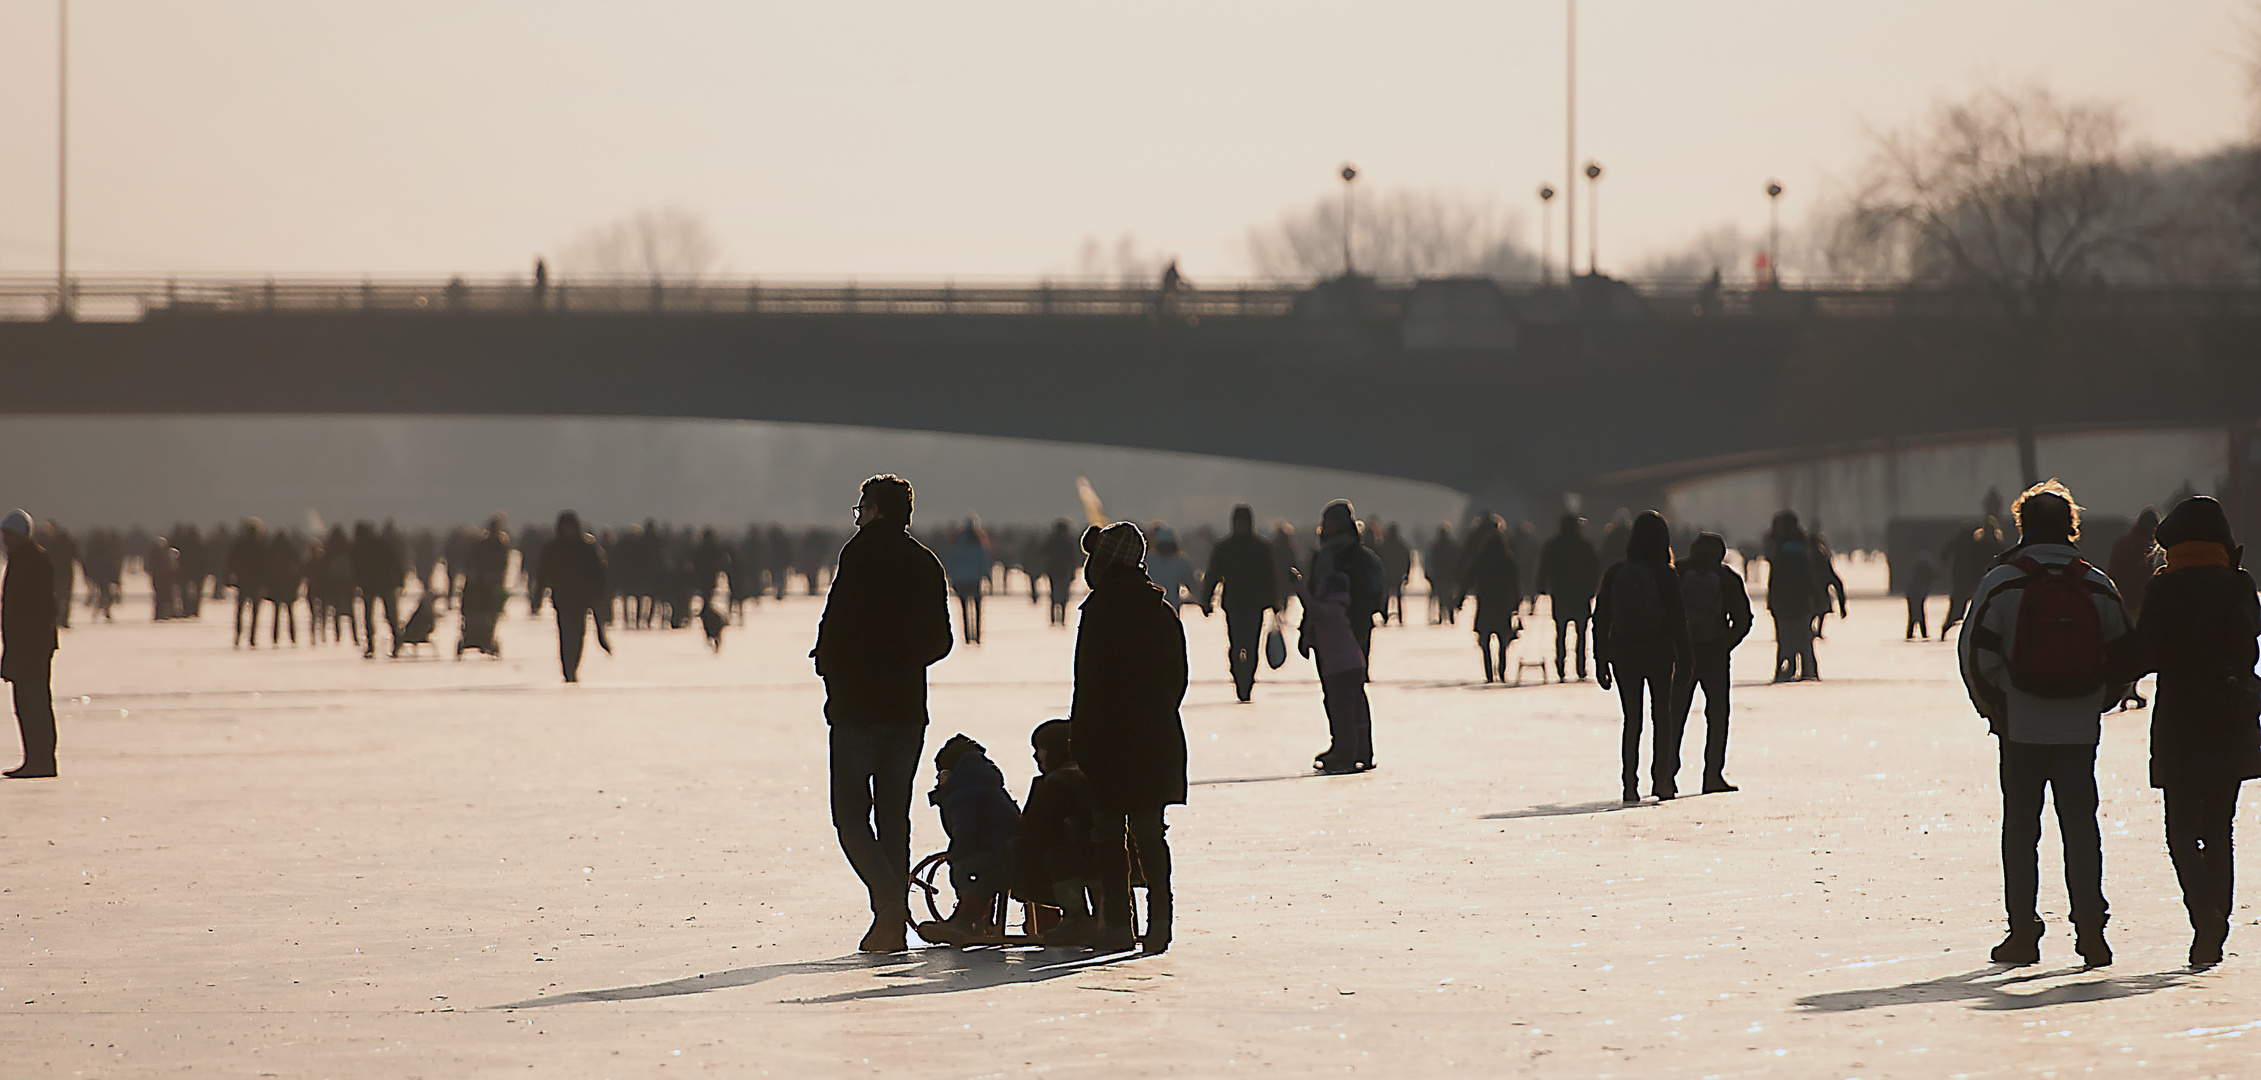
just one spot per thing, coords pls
(2191, 554)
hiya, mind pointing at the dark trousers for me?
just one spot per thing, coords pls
(2069, 773)
(1710, 674)
(2198, 840)
(1562, 623)
(1958, 605)
(391, 601)
(873, 766)
(1918, 623)
(32, 677)
(572, 624)
(1350, 718)
(1244, 633)
(1794, 648)
(1117, 835)
(1664, 763)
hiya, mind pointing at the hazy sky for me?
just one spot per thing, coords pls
(918, 139)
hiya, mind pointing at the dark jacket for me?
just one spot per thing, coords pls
(1242, 563)
(1734, 605)
(885, 620)
(977, 812)
(1130, 671)
(1569, 569)
(1794, 590)
(1492, 577)
(377, 565)
(27, 609)
(1659, 651)
(1055, 835)
(2198, 629)
(573, 571)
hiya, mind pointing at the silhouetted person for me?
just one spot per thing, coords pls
(967, 561)
(1917, 588)
(1053, 862)
(2198, 629)
(1440, 564)
(1641, 638)
(572, 571)
(1061, 561)
(1285, 557)
(1569, 571)
(1397, 569)
(541, 285)
(377, 572)
(1130, 678)
(1719, 618)
(27, 643)
(1794, 594)
(710, 559)
(245, 569)
(982, 821)
(1490, 575)
(2035, 657)
(1340, 552)
(279, 582)
(486, 584)
(63, 551)
(195, 557)
(1968, 555)
(1825, 573)
(886, 620)
(163, 562)
(333, 588)
(423, 557)
(1241, 565)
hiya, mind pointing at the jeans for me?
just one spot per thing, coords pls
(2198, 840)
(1563, 620)
(1794, 648)
(1917, 622)
(873, 766)
(1664, 764)
(2069, 772)
(1710, 674)
(1244, 631)
(33, 675)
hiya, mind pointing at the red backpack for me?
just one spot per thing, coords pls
(2059, 652)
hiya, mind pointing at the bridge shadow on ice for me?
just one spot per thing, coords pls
(922, 971)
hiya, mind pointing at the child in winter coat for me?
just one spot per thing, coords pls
(1053, 862)
(981, 820)
(1342, 675)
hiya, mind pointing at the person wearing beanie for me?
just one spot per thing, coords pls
(1130, 678)
(27, 643)
(886, 620)
(2200, 630)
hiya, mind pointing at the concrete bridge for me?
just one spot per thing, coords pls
(1514, 396)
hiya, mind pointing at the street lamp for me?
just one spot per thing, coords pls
(1349, 173)
(1546, 234)
(1774, 233)
(1593, 217)
(62, 159)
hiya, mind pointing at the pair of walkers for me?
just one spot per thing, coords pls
(1670, 630)
(887, 619)
(2047, 647)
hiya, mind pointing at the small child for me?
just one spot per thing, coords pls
(1342, 675)
(1054, 862)
(982, 821)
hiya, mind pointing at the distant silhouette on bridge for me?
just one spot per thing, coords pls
(1513, 395)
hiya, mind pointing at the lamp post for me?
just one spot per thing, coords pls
(1774, 233)
(1594, 217)
(1570, 144)
(1349, 173)
(62, 159)
(1546, 234)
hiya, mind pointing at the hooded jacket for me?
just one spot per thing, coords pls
(977, 812)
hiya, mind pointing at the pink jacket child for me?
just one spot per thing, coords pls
(1342, 676)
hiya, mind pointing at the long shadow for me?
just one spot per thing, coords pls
(1312, 775)
(1987, 990)
(935, 971)
(1607, 806)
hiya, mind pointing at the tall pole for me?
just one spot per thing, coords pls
(62, 158)
(1349, 173)
(1593, 217)
(1570, 145)
(1546, 234)
(1774, 233)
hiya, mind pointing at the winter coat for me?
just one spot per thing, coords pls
(1329, 632)
(1492, 577)
(1173, 574)
(1056, 825)
(969, 562)
(1661, 651)
(377, 566)
(1795, 589)
(885, 620)
(27, 609)
(1242, 563)
(1569, 569)
(1734, 605)
(573, 571)
(2199, 627)
(1989, 640)
(1130, 671)
(977, 812)
(1341, 553)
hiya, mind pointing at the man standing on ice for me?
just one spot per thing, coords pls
(27, 643)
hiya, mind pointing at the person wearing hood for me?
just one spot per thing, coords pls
(573, 573)
(979, 817)
(28, 643)
(1569, 568)
(1130, 679)
(2198, 630)
(1241, 564)
(886, 620)
(1340, 552)
(1641, 638)
(1719, 618)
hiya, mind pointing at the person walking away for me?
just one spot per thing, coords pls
(2036, 655)
(1130, 679)
(1641, 638)
(1793, 596)
(280, 579)
(1241, 565)
(1825, 573)
(1968, 556)
(247, 560)
(1916, 586)
(2198, 630)
(1397, 569)
(968, 562)
(28, 642)
(1340, 552)
(1493, 578)
(572, 571)
(1170, 571)
(1061, 559)
(377, 571)
(886, 620)
(1719, 618)
(1440, 565)
(1569, 569)
(2135, 555)
(1342, 676)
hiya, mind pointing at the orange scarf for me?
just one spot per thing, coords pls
(2191, 554)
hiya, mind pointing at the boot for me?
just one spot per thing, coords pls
(2023, 946)
(1078, 928)
(886, 933)
(1154, 858)
(2088, 941)
(2206, 944)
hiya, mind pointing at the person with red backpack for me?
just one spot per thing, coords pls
(2045, 632)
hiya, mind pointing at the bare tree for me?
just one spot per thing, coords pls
(1399, 234)
(2018, 195)
(666, 243)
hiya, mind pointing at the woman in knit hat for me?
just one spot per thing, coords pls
(2198, 630)
(1130, 672)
